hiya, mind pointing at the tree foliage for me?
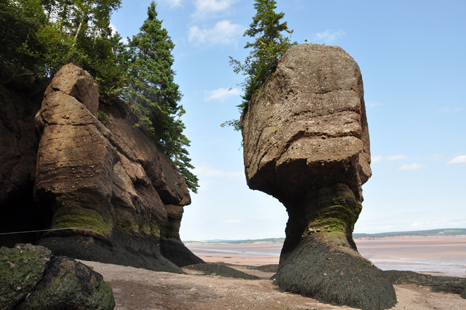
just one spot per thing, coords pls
(41, 36)
(267, 48)
(153, 94)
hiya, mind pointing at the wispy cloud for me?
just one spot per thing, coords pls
(224, 32)
(174, 3)
(233, 221)
(220, 94)
(450, 110)
(435, 157)
(396, 157)
(411, 167)
(458, 160)
(208, 171)
(377, 159)
(442, 222)
(205, 8)
(328, 36)
(373, 104)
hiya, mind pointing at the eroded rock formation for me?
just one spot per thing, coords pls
(18, 151)
(32, 278)
(306, 142)
(119, 198)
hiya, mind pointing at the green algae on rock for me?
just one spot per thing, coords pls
(68, 284)
(32, 279)
(21, 268)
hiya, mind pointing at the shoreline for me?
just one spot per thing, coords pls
(438, 255)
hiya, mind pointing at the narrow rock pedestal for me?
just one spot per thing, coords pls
(306, 142)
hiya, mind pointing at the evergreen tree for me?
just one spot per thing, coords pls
(153, 94)
(44, 35)
(20, 22)
(268, 47)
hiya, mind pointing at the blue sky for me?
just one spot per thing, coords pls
(412, 56)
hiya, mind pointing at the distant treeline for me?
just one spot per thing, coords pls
(432, 232)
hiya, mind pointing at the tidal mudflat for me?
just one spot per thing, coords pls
(432, 255)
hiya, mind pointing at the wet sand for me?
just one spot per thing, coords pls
(432, 255)
(136, 288)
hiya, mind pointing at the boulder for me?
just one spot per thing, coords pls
(306, 142)
(31, 278)
(105, 184)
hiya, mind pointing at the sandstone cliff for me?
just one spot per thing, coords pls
(306, 142)
(19, 102)
(120, 199)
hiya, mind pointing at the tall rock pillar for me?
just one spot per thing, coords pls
(111, 195)
(306, 142)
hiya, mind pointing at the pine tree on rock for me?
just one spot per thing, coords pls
(267, 48)
(153, 94)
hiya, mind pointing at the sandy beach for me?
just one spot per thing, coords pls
(136, 288)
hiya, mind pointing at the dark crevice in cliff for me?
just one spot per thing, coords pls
(21, 214)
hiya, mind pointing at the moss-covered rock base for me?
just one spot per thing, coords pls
(31, 278)
(453, 285)
(175, 250)
(21, 268)
(68, 284)
(334, 273)
(122, 247)
(319, 257)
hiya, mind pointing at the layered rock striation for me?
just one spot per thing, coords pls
(306, 142)
(103, 188)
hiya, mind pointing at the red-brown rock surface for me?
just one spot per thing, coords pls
(18, 151)
(106, 184)
(306, 142)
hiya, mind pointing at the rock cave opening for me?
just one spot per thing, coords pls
(21, 218)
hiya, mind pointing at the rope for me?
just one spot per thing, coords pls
(42, 230)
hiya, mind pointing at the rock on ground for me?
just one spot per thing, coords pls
(31, 278)
(306, 142)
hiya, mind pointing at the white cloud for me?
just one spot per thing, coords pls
(328, 35)
(203, 185)
(435, 157)
(221, 94)
(174, 3)
(458, 160)
(396, 157)
(208, 7)
(411, 167)
(208, 171)
(224, 32)
(377, 159)
(114, 30)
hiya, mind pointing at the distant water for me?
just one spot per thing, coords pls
(434, 267)
(247, 252)
(436, 256)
